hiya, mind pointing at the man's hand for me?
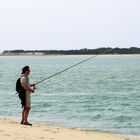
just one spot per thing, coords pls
(32, 85)
(33, 88)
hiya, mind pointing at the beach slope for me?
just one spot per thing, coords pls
(11, 130)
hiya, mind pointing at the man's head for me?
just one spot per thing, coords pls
(26, 70)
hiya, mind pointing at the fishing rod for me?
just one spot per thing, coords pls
(94, 56)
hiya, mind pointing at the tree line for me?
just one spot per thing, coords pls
(132, 50)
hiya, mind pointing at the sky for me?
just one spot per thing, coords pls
(69, 24)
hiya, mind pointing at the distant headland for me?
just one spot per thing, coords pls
(84, 51)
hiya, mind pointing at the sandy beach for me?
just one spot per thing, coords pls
(12, 130)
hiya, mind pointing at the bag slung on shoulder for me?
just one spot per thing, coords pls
(19, 88)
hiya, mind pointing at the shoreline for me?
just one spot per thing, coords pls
(10, 129)
(34, 55)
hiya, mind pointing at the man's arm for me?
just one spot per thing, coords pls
(25, 85)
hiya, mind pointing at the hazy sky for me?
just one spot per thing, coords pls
(69, 24)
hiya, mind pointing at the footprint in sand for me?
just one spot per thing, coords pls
(41, 137)
(127, 139)
(46, 130)
(54, 132)
(50, 131)
(1, 131)
(7, 135)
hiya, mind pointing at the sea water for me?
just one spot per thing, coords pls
(101, 94)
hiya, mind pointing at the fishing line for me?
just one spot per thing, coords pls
(94, 56)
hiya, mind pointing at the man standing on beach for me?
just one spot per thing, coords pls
(26, 96)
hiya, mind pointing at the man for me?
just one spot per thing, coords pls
(26, 95)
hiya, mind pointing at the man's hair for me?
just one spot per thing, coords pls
(24, 69)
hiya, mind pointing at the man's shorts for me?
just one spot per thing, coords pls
(22, 97)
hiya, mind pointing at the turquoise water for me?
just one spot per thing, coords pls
(102, 94)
